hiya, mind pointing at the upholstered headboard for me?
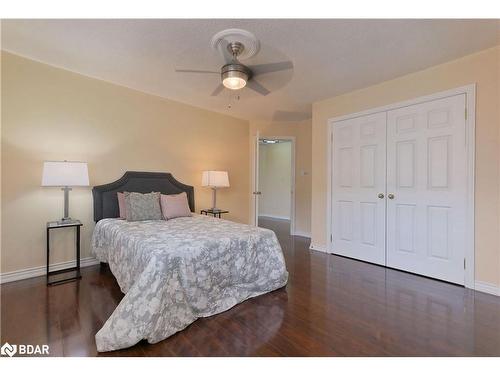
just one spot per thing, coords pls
(106, 200)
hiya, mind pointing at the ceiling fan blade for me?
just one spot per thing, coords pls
(196, 71)
(217, 90)
(228, 57)
(256, 86)
(271, 67)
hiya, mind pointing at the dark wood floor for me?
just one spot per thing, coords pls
(332, 306)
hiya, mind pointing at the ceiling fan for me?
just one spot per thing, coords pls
(236, 75)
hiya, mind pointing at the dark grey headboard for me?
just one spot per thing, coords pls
(106, 200)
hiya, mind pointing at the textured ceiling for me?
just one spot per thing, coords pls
(330, 57)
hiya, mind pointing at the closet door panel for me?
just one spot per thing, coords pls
(426, 173)
(359, 176)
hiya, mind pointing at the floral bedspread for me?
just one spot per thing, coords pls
(173, 272)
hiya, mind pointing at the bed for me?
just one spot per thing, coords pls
(173, 272)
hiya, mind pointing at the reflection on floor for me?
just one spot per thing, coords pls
(332, 306)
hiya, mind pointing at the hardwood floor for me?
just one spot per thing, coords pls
(332, 306)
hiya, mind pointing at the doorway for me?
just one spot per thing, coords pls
(275, 183)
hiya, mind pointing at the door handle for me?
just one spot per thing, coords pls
(257, 193)
(390, 196)
(380, 195)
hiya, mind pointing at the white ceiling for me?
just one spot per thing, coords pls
(330, 57)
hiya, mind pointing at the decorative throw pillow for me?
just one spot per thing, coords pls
(174, 205)
(122, 207)
(143, 206)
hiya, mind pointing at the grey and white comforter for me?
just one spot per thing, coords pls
(173, 272)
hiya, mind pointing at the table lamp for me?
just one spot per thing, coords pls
(65, 174)
(215, 180)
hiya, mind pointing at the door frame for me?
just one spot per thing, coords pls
(470, 128)
(254, 160)
(255, 178)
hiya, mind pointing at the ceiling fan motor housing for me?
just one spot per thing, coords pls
(229, 70)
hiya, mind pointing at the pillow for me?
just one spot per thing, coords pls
(142, 206)
(174, 205)
(122, 207)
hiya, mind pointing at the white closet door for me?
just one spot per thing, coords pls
(426, 173)
(359, 176)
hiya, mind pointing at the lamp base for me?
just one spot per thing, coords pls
(66, 220)
(214, 199)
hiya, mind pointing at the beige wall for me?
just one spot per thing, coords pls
(275, 179)
(498, 127)
(481, 68)
(302, 133)
(53, 114)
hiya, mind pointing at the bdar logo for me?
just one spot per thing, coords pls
(8, 349)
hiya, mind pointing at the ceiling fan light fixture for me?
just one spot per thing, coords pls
(234, 80)
(235, 76)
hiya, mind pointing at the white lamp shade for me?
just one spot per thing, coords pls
(215, 179)
(65, 173)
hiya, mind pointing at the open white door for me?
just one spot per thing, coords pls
(256, 192)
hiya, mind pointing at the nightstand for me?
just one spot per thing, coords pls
(214, 213)
(51, 280)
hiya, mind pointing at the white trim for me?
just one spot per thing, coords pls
(470, 128)
(485, 287)
(292, 187)
(316, 247)
(302, 234)
(254, 207)
(274, 217)
(470, 124)
(28, 273)
(329, 186)
(468, 89)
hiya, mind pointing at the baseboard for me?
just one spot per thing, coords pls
(28, 273)
(317, 247)
(485, 287)
(274, 217)
(302, 234)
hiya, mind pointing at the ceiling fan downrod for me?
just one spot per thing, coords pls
(235, 49)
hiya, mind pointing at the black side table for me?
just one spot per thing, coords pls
(214, 213)
(55, 225)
